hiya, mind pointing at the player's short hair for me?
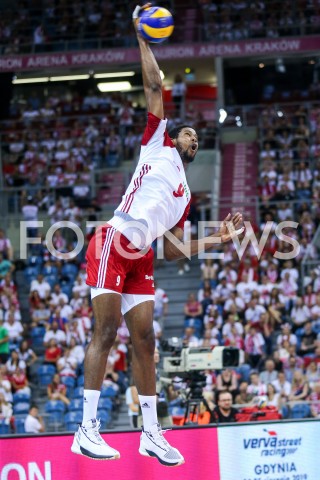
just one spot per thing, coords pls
(174, 132)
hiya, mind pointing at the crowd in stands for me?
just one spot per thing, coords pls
(237, 19)
(48, 24)
(264, 307)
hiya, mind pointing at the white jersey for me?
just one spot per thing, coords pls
(158, 197)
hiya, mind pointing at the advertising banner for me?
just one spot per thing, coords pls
(50, 458)
(280, 451)
(114, 56)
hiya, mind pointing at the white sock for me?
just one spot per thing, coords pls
(149, 410)
(90, 404)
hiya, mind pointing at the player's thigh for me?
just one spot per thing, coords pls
(107, 314)
(139, 320)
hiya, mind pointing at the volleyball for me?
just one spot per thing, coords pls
(155, 24)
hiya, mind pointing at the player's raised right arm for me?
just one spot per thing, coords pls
(152, 83)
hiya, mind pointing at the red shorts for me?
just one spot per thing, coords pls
(114, 265)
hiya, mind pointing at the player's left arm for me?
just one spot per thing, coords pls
(175, 248)
(152, 82)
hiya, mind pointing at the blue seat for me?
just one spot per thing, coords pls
(54, 406)
(21, 408)
(300, 410)
(45, 374)
(67, 289)
(46, 369)
(105, 404)
(104, 417)
(72, 420)
(49, 270)
(52, 280)
(69, 382)
(35, 261)
(37, 334)
(70, 270)
(78, 392)
(80, 381)
(109, 392)
(21, 397)
(55, 409)
(4, 428)
(75, 405)
(19, 425)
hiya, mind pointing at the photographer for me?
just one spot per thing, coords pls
(33, 422)
(224, 412)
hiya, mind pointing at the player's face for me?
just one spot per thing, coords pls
(187, 144)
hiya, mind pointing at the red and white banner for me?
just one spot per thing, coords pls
(15, 63)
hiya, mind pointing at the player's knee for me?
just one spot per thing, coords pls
(105, 338)
(145, 344)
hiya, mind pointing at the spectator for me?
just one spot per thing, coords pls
(160, 304)
(5, 410)
(57, 390)
(192, 310)
(300, 313)
(56, 333)
(256, 388)
(27, 355)
(254, 347)
(299, 387)
(41, 286)
(34, 422)
(308, 340)
(5, 246)
(315, 400)
(5, 385)
(5, 266)
(19, 381)
(30, 215)
(243, 397)
(273, 398)
(282, 386)
(224, 412)
(40, 315)
(14, 363)
(14, 329)
(227, 382)
(132, 400)
(269, 374)
(4, 343)
(52, 352)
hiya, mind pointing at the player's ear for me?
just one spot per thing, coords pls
(174, 141)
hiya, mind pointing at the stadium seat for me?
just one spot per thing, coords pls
(104, 417)
(69, 270)
(55, 410)
(20, 397)
(19, 425)
(69, 382)
(45, 374)
(21, 408)
(52, 280)
(109, 392)
(105, 404)
(72, 420)
(300, 410)
(37, 334)
(75, 405)
(4, 428)
(78, 392)
(80, 381)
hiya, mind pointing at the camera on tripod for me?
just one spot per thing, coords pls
(202, 358)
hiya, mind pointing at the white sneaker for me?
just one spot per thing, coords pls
(180, 272)
(153, 444)
(88, 441)
(186, 267)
